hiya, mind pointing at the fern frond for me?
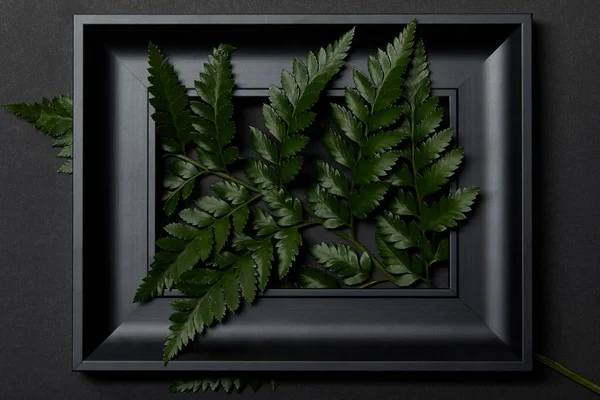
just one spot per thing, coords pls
(344, 261)
(227, 384)
(207, 228)
(431, 162)
(313, 278)
(54, 117)
(213, 120)
(173, 124)
(370, 108)
(288, 113)
(169, 100)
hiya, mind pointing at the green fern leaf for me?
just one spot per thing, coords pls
(338, 149)
(438, 174)
(280, 103)
(263, 257)
(382, 142)
(364, 86)
(402, 177)
(221, 230)
(288, 246)
(196, 282)
(289, 113)
(322, 70)
(443, 215)
(404, 203)
(370, 108)
(274, 123)
(196, 217)
(301, 122)
(286, 208)
(332, 179)
(228, 384)
(356, 104)
(213, 205)
(432, 148)
(292, 145)
(261, 174)
(399, 263)
(396, 262)
(169, 99)
(192, 316)
(370, 169)
(289, 168)
(29, 112)
(240, 218)
(313, 278)
(351, 127)
(344, 261)
(171, 243)
(213, 124)
(394, 230)
(244, 269)
(54, 117)
(263, 223)
(428, 124)
(326, 206)
(389, 67)
(231, 192)
(66, 168)
(214, 384)
(367, 198)
(168, 267)
(263, 145)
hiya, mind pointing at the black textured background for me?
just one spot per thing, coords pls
(35, 207)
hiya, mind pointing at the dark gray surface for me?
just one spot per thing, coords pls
(36, 208)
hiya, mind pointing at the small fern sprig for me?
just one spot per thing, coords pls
(429, 167)
(227, 384)
(54, 117)
(367, 154)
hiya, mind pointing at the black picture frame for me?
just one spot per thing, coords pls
(481, 322)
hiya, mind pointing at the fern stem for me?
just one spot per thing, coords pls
(199, 174)
(414, 167)
(594, 387)
(356, 244)
(223, 175)
(374, 259)
(236, 180)
(305, 224)
(371, 283)
(427, 279)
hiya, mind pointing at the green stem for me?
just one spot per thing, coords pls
(356, 244)
(414, 167)
(371, 283)
(594, 387)
(250, 200)
(427, 278)
(359, 246)
(199, 174)
(223, 175)
(305, 224)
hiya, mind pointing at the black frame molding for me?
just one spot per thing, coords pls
(481, 323)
